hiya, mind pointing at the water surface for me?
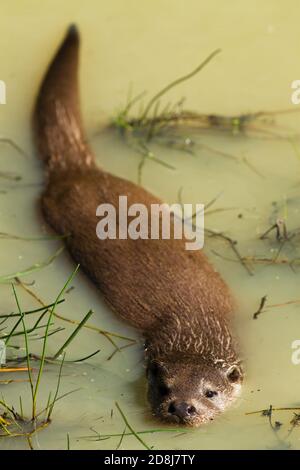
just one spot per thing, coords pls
(147, 45)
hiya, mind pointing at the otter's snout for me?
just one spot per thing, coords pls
(182, 410)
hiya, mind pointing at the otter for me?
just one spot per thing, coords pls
(174, 297)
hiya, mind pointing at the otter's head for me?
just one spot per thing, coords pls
(190, 391)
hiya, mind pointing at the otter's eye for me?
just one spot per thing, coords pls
(164, 390)
(210, 393)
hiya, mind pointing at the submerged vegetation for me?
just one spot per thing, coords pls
(21, 424)
(177, 128)
(173, 126)
(16, 423)
(282, 431)
(130, 431)
(15, 146)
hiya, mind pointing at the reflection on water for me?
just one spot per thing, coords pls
(123, 44)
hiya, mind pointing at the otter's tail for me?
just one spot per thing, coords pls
(57, 120)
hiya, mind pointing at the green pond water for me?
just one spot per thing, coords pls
(146, 45)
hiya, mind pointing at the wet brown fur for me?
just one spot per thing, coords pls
(173, 296)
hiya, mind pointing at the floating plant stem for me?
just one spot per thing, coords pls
(35, 267)
(276, 426)
(252, 167)
(232, 243)
(10, 410)
(28, 312)
(280, 228)
(121, 119)
(294, 422)
(10, 381)
(37, 428)
(51, 360)
(48, 401)
(30, 330)
(262, 260)
(150, 156)
(13, 369)
(261, 412)
(55, 401)
(27, 351)
(7, 140)
(10, 176)
(218, 152)
(13, 331)
(28, 437)
(121, 439)
(216, 234)
(131, 428)
(21, 407)
(283, 304)
(107, 334)
(263, 301)
(87, 357)
(121, 348)
(69, 280)
(75, 332)
(11, 236)
(176, 82)
(7, 337)
(100, 437)
(51, 406)
(50, 333)
(3, 426)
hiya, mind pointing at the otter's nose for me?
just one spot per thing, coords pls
(182, 409)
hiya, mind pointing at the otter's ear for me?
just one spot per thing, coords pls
(234, 374)
(155, 368)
